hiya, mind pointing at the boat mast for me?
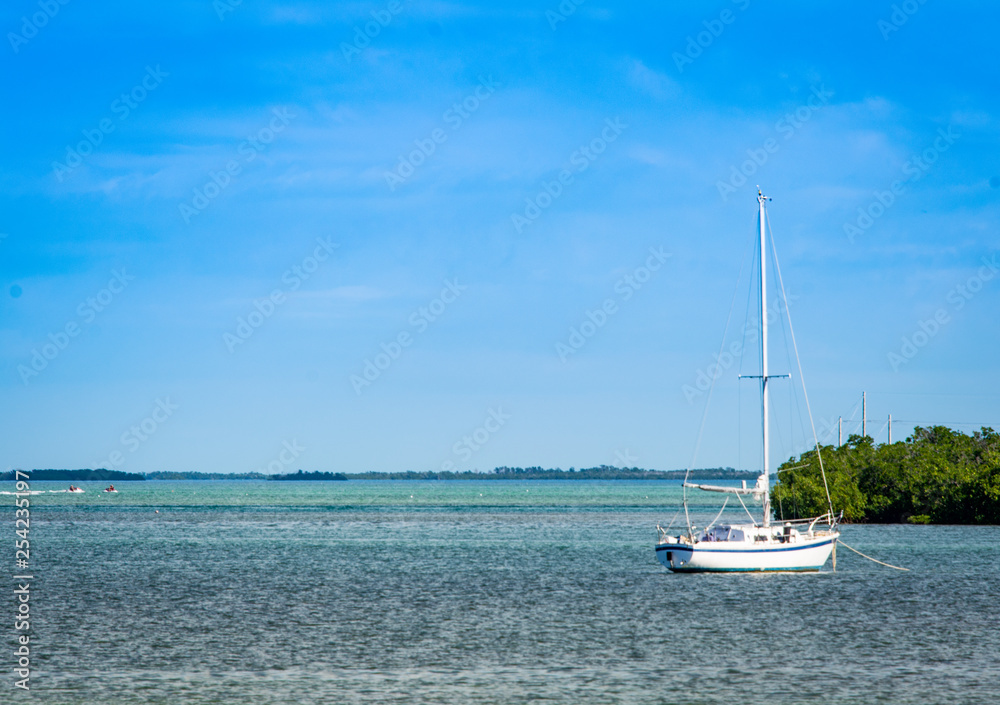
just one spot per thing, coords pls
(765, 472)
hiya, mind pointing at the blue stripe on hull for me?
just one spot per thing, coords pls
(745, 570)
(689, 549)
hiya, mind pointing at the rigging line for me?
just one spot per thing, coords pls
(887, 565)
(793, 403)
(718, 515)
(777, 431)
(752, 520)
(802, 377)
(673, 519)
(773, 412)
(711, 388)
(791, 426)
(794, 467)
(793, 406)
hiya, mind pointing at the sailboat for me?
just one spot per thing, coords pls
(758, 546)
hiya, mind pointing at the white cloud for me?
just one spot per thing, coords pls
(655, 83)
(345, 293)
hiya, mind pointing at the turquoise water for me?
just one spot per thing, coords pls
(372, 493)
(480, 592)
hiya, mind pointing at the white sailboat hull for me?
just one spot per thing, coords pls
(744, 557)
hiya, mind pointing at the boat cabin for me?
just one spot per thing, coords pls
(723, 533)
(755, 534)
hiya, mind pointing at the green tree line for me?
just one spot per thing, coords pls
(601, 472)
(937, 475)
(86, 475)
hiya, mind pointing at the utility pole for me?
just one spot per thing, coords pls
(840, 431)
(890, 429)
(864, 414)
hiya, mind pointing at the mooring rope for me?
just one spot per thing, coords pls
(887, 565)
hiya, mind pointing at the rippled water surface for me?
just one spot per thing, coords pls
(479, 592)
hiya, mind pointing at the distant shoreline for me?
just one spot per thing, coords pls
(502, 473)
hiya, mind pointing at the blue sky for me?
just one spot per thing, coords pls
(217, 218)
